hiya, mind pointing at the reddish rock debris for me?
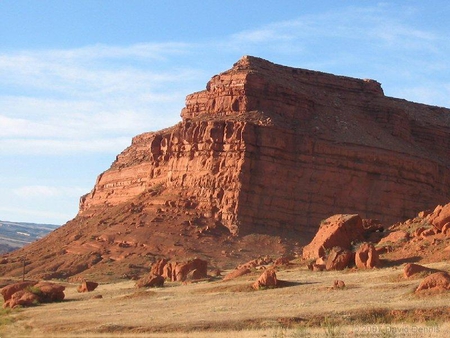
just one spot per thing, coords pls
(150, 281)
(367, 257)
(336, 231)
(339, 259)
(268, 279)
(87, 286)
(412, 269)
(237, 273)
(438, 281)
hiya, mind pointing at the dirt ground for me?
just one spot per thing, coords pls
(377, 302)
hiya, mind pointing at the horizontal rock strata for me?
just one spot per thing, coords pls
(283, 147)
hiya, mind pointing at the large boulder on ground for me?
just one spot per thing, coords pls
(268, 279)
(33, 293)
(440, 216)
(438, 281)
(179, 271)
(11, 289)
(50, 292)
(339, 259)
(23, 298)
(237, 273)
(412, 269)
(338, 230)
(367, 257)
(87, 286)
(151, 280)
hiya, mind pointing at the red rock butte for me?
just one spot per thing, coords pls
(265, 149)
(281, 147)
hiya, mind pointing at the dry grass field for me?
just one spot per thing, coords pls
(374, 303)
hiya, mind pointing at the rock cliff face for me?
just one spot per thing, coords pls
(261, 156)
(280, 147)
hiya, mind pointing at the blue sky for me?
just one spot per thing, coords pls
(79, 79)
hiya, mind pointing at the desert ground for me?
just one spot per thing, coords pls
(374, 303)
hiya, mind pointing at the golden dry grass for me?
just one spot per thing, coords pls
(308, 306)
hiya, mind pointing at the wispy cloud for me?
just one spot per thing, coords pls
(92, 97)
(382, 41)
(44, 191)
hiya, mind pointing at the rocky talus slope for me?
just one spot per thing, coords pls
(261, 156)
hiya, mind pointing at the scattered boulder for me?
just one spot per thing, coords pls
(237, 273)
(255, 263)
(87, 286)
(11, 289)
(367, 257)
(438, 281)
(338, 284)
(31, 293)
(23, 298)
(395, 237)
(179, 271)
(316, 267)
(440, 216)
(50, 292)
(281, 261)
(268, 279)
(446, 229)
(150, 281)
(338, 230)
(412, 269)
(338, 259)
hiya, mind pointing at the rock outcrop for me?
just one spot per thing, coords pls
(264, 149)
(438, 281)
(367, 257)
(87, 286)
(31, 293)
(412, 269)
(336, 231)
(268, 279)
(150, 281)
(287, 147)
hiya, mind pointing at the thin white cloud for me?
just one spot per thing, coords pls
(61, 147)
(88, 99)
(383, 41)
(44, 191)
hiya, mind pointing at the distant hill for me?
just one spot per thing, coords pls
(14, 235)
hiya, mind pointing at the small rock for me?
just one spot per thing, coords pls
(268, 279)
(338, 284)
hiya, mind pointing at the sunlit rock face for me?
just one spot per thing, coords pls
(283, 147)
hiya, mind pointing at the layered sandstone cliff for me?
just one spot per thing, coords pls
(261, 156)
(273, 146)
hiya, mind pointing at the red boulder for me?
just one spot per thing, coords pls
(338, 230)
(268, 279)
(367, 257)
(437, 281)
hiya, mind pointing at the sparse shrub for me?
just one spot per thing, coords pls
(331, 329)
